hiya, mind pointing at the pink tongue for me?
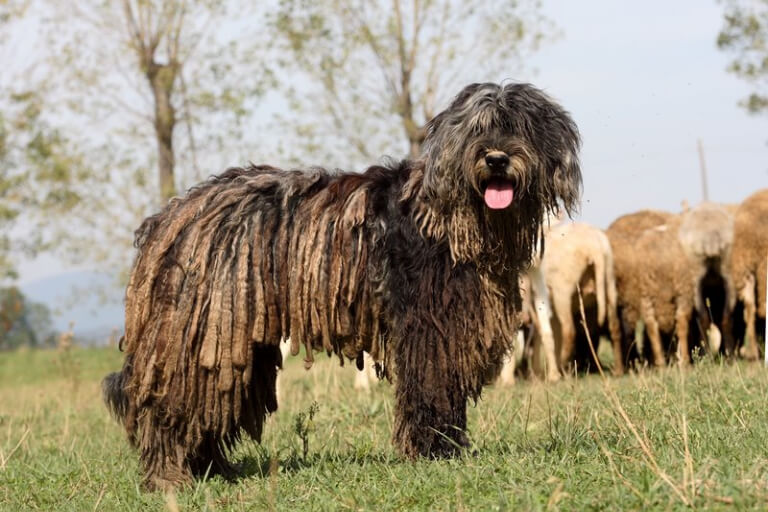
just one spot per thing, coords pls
(498, 194)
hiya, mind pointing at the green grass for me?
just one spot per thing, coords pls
(651, 440)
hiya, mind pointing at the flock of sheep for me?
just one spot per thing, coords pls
(658, 285)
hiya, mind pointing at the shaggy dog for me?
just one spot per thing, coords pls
(416, 263)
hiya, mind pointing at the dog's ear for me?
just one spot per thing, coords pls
(566, 179)
(555, 138)
(560, 141)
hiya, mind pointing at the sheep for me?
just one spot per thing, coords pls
(654, 280)
(748, 264)
(706, 233)
(365, 376)
(578, 258)
(534, 319)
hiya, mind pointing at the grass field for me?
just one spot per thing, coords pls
(652, 440)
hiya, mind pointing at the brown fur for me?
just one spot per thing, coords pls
(750, 250)
(654, 280)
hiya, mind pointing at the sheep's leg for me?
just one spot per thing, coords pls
(682, 318)
(364, 377)
(727, 332)
(729, 338)
(762, 307)
(652, 329)
(507, 375)
(285, 351)
(512, 359)
(614, 329)
(614, 324)
(543, 313)
(567, 330)
(749, 349)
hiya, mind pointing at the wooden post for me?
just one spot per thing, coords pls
(703, 167)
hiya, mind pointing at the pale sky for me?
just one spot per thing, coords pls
(643, 80)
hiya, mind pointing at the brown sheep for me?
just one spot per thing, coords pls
(654, 280)
(748, 263)
(579, 257)
(706, 232)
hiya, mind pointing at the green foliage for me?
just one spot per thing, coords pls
(303, 425)
(10, 9)
(23, 323)
(38, 176)
(745, 36)
(654, 440)
(107, 82)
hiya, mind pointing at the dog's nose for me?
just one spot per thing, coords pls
(497, 161)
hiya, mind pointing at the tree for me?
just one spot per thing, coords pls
(36, 173)
(26, 143)
(10, 9)
(22, 323)
(8, 184)
(745, 36)
(142, 94)
(376, 71)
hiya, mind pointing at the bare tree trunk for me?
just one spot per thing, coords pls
(413, 130)
(161, 78)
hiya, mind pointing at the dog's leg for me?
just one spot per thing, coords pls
(175, 450)
(169, 461)
(163, 454)
(428, 425)
(431, 400)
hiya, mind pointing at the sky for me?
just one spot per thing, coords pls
(644, 81)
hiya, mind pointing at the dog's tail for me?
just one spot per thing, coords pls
(114, 392)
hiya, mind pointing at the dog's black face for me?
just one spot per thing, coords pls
(500, 169)
(500, 144)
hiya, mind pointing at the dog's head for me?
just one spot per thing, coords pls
(503, 145)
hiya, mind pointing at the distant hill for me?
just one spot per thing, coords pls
(92, 301)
